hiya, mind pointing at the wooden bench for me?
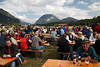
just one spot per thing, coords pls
(54, 40)
(33, 50)
(65, 53)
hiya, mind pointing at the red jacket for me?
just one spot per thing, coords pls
(97, 29)
(24, 44)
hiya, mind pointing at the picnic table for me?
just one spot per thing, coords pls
(66, 63)
(4, 61)
(44, 43)
(47, 35)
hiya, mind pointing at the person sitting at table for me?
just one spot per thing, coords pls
(92, 38)
(77, 43)
(31, 35)
(3, 39)
(14, 41)
(78, 39)
(40, 34)
(36, 44)
(61, 31)
(63, 45)
(23, 42)
(54, 34)
(80, 35)
(97, 44)
(70, 37)
(86, 51)
(10, 50)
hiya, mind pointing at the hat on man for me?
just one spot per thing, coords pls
(86, 40)
(80, 33)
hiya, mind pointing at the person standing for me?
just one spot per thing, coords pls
(53, 34)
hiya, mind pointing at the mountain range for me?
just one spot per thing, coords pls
(47, 18)
(68, 19)
(50, 18)
(6, 17)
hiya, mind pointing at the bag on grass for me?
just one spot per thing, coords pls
(20, 58)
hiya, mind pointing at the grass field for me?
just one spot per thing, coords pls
(50, 53)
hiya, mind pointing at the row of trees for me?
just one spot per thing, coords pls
(79, 22)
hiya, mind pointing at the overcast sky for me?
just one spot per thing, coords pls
(31, 10)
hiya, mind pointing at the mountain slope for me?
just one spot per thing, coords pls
(6, 17)
(47, 18)
(68, 19)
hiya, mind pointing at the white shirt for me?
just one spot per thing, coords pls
(91, 38)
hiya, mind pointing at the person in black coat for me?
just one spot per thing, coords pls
(10, 50)
(77, 44)
(97, 44)
(63, 44)
(3, 39)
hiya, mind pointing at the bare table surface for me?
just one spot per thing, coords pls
(66, 63)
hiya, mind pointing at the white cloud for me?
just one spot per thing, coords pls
(95, 6)
(64, 12)
(25, 18)
(94, 0)
(82, 3)
(69, 1)
(40, 7)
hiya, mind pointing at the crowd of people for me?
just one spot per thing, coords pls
(87, 40)
(25, 37)
(13, 39)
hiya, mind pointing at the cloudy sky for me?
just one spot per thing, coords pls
(31, 10)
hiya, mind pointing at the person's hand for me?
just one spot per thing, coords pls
(88, 58)
(4, 55)
(8, 55)
(30, 41)
(83, 59)
(44, 41)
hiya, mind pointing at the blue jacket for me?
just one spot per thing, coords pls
(82, 53)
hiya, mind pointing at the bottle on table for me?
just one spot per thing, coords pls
(87, 62)
(74, 57)
(79, 61)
